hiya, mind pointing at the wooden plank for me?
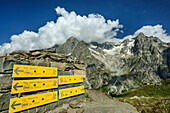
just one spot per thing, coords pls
(69, 92)
(23, 103)
(21, 86)
(69, 79)
(34, 71)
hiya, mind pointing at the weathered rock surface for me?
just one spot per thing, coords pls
(68, 46)
(129, 64)
(66, 65)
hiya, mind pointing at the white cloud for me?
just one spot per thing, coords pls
(89, 28)
(156, 31)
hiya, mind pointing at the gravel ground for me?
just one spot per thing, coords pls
(97, 102)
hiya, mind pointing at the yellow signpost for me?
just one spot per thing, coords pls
(64, 93)
(23, 103)
(34, 71)
(68, 79)
(21, 86)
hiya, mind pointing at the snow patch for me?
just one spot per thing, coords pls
(93, 51)
(114, 50)
(92, 46)
(1, 75)
(117, 48)
(131, 44)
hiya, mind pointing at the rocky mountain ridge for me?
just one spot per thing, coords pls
(115, 67)
(66, 64)
(123, 66)
(111, 67)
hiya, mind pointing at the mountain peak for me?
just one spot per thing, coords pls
(141, 35)
(72, 39)
(82, 42)
(68, 46)
(81, 51)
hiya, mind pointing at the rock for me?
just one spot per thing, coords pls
(60, 66)
(68, 67)
(135, 97)
(80, 66)
(68, 46)
(80, 51)
(20, 54)
(58, 59)
(51, 106)
(5, 111)
(41, 62)
(4, 103)
(52, 50)
(70, 110)
(41, 56)
(142, 96)
(62, 110)
(80, 110)
(125, 100)
(32, 110)
(40, 109)
(64, 72)
(75, 104)
(79, 72)
(6, 64)
(36, 53)
(5, 82)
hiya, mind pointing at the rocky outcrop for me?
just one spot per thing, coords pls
(66, 65)
(97, 74)
(68, 46)
(145, 62)
(81, 52)
(140, 61)
(126, 65)
(105, 45)
(149, 59)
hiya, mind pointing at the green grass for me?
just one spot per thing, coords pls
(158, 101)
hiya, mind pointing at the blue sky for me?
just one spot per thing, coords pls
(19, 15)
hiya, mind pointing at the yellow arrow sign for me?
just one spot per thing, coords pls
(68, 79)
(23, 103)
(21, 86)
(34, 71)
(64, 93)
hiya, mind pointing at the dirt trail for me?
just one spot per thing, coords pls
(100, 103)
(103, 104)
